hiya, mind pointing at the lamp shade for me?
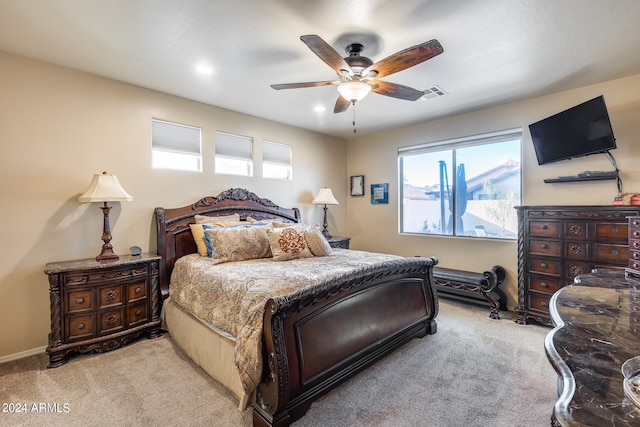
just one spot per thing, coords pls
(354, 90)
(105, 187)
(325, 197)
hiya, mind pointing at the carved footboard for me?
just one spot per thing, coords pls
(313, 345)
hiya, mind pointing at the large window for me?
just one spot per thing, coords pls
(234, 154)
(463, 187)
(276, 160)
(175, 146)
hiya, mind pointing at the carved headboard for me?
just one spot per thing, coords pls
(174, 234)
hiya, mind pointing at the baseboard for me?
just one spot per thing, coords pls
(26, 353)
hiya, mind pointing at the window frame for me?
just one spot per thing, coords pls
(224, 151)
(453, 145)
(171, 141)
(277, 159)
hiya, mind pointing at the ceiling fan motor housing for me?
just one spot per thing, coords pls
(356, 62)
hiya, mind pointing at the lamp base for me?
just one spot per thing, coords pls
(107, 253)
(326, 234)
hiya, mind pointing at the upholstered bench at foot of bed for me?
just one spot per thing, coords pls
(473, 287)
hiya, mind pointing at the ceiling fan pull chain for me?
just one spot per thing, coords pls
(354, 117)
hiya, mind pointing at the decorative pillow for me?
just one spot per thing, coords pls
(197, 231)
(266, 220)
(318, 245)
(288, 243)
(238, 243)
(205, 219)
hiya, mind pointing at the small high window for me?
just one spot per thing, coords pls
(175, 146)
(276, 160)
(234, 154)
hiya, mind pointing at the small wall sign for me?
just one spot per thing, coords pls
(379, 194)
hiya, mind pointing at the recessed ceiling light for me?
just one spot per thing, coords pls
(204, 69)
(319, 109)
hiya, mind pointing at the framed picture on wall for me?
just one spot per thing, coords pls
(357, 185)
(379, 194)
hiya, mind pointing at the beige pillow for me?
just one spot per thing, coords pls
(238, 243)
(198, 234)
(205, 219)
(318, 245)
(288, 243)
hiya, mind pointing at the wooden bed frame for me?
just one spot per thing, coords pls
(314, 344)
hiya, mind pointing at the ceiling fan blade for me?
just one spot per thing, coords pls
(395, 90)
(301, 85)
(325, 52)
(405, 58)
(341, 105)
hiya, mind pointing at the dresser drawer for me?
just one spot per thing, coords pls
(573, 269)
(576, 250)
(110, 321)
(576, 230)
(539, 302)
(78, 301)
(79, 327)
(612, 231)
(547, 285)
(544, 228)
(549, 267)
(545, 247)
(613, 254)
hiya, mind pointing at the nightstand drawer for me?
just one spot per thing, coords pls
(78, 301)
(136, 314)
(546, 285)
(79, 327)
(109, 296)
(110, 321)
(136, 291)
(104, 276)
(539, 302)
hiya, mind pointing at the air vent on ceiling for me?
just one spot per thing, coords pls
(433, 92)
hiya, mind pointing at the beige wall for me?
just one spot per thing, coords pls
(59, 127)
(375, 227)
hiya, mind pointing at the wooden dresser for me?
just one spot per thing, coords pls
(100, 306)
(558, 243)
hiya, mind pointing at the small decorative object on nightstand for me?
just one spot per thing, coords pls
(325, 197)
(102, 306)
(339, 242)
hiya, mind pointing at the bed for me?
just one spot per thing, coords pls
(312, 338)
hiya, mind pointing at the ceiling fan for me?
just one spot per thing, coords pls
(359, 75)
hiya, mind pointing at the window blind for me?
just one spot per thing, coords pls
(176, 138)
(233, 146)
(276, 153)
(484, 139)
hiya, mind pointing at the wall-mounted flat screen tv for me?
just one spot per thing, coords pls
(579, 131)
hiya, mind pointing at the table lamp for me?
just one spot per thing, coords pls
(325, 197)
(105, 188)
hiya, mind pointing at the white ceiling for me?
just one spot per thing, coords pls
(495, 51)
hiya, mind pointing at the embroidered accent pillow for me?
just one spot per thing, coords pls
(288, 243)
(240, 243)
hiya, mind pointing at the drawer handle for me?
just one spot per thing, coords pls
(544, 265)
(636, 234)
(544, 285)
(636, 244)
(614, 252)
(636, 222)
(614, 229)
(80, 326)
(544, 227)
(544, 304)
(138, 290)
(138, 313)
(112, 319)
(544, 246)
(636, 255)
(79, 300)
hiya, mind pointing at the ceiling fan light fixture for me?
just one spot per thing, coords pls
(354, 90)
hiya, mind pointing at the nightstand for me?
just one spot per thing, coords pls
(101, 306)
(339, 242)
